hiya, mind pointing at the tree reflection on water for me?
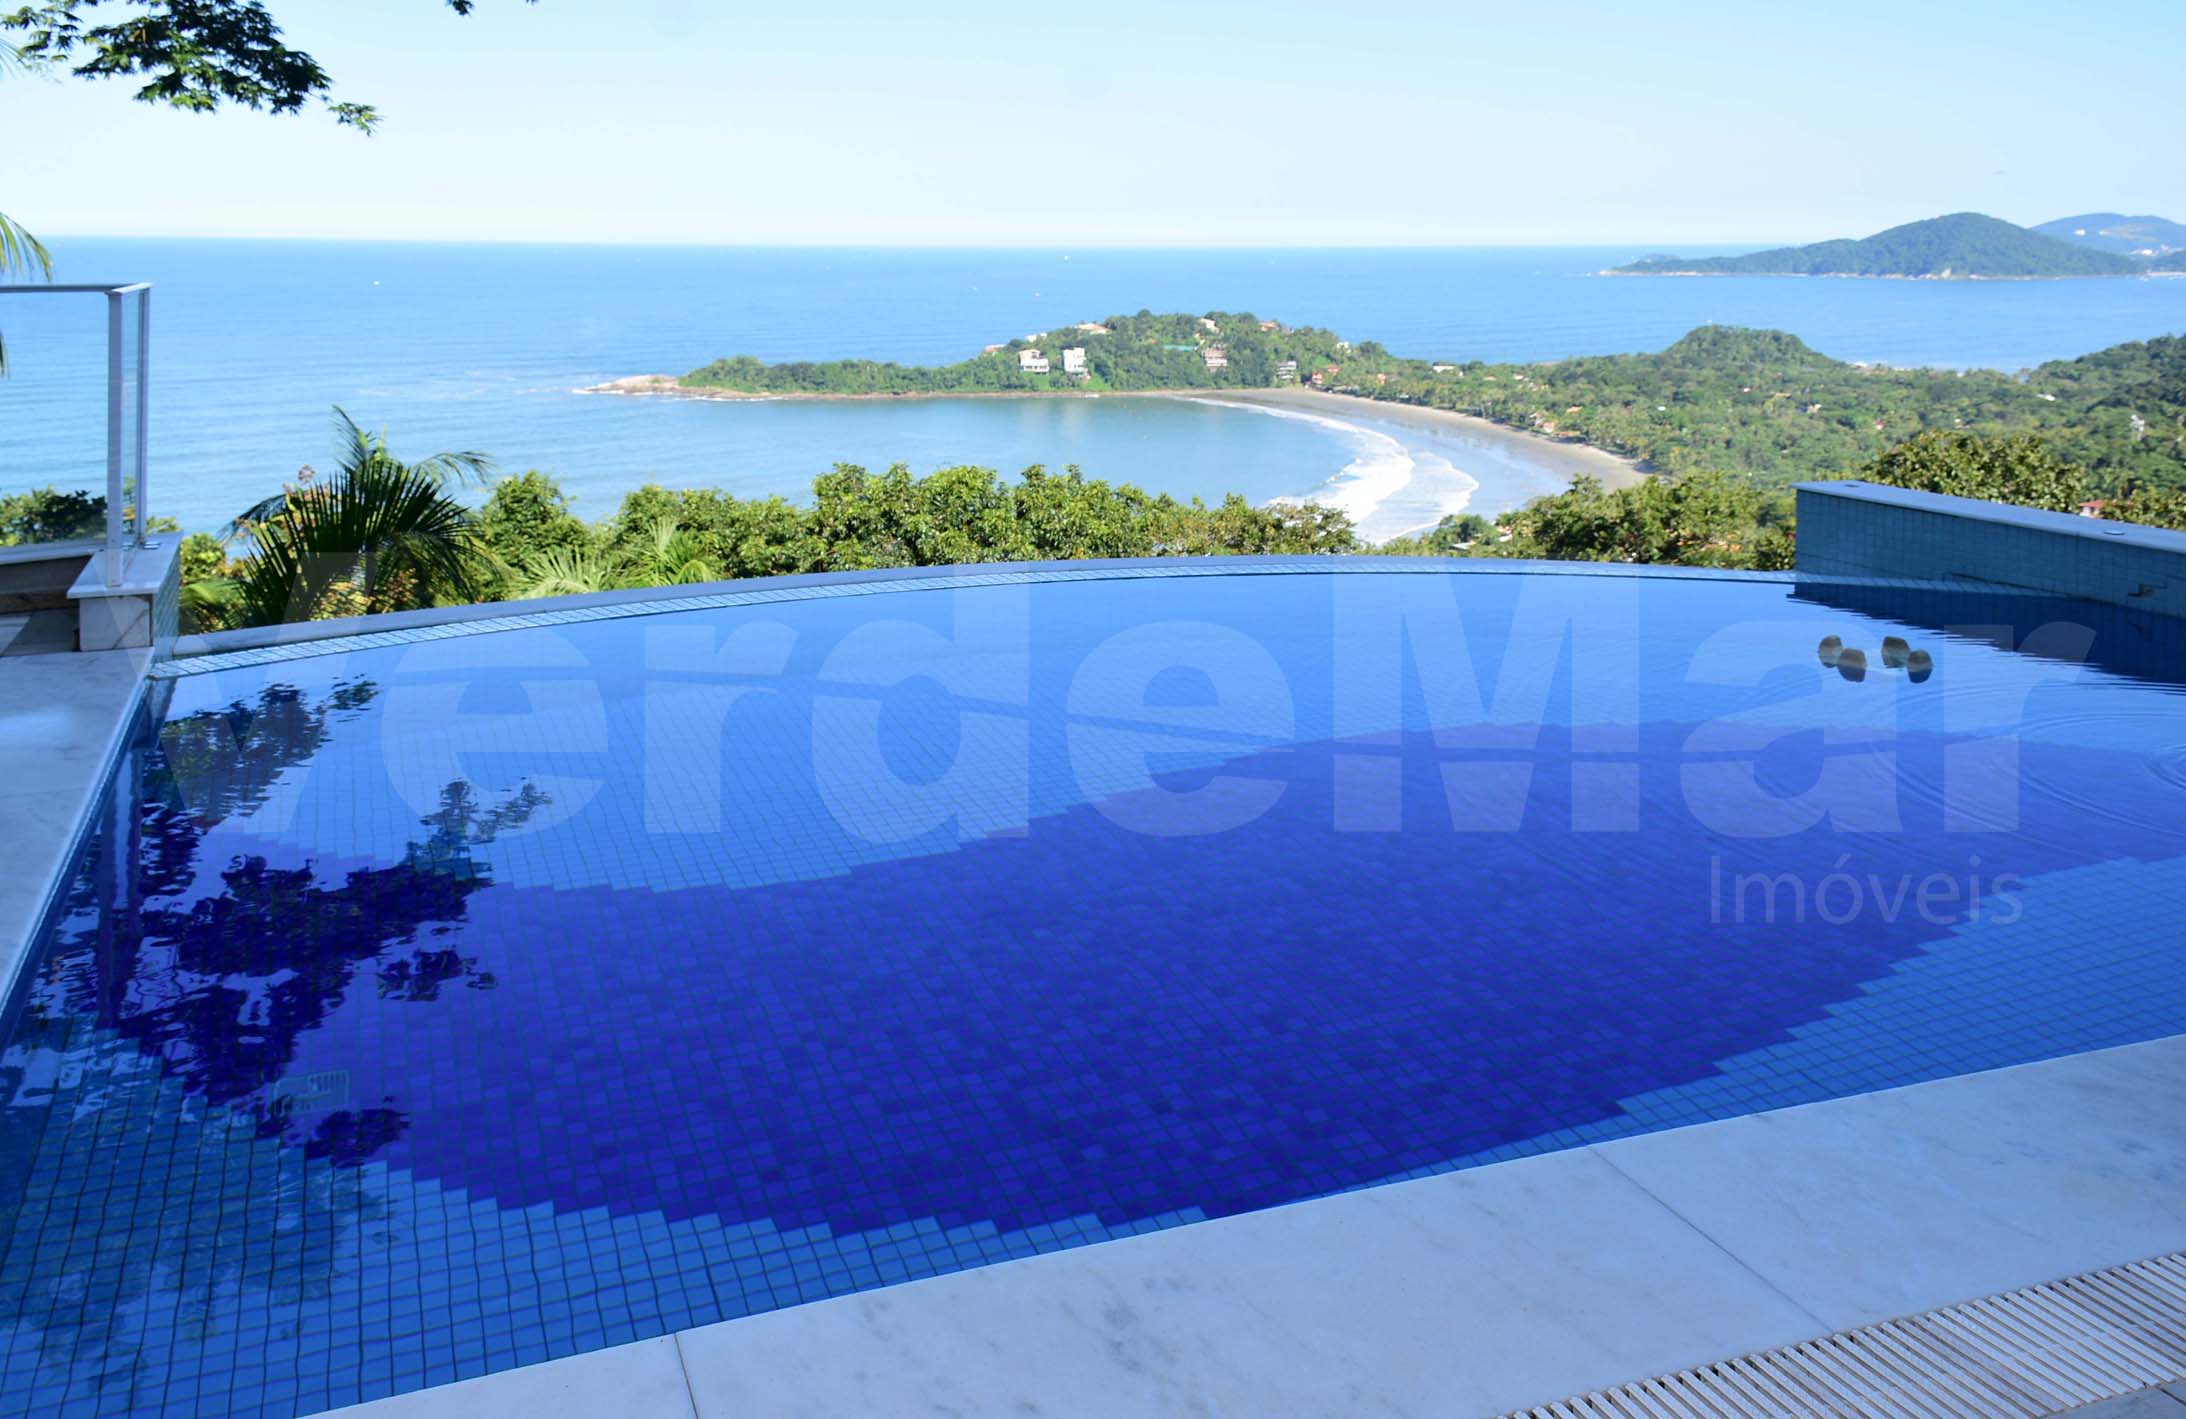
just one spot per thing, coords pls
(157, 1045)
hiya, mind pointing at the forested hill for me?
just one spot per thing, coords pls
(1219, 350)
(2114, 231)
(1763, 403)
(1757, 402)
(1962, 245)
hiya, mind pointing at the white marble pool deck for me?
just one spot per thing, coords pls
(1477, 1292)
(61, 717)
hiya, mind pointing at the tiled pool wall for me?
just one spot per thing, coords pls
(268, 645)
(1856, 529)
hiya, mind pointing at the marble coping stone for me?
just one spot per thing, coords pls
(62, 720)
(1476, 1292)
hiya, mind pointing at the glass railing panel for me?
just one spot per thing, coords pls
(53, 417)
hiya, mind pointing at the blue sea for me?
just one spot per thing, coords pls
(466, 346)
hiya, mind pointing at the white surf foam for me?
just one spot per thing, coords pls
(1389, 488)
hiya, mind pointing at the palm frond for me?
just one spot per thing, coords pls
(378, 531)
(566, 571)
(20, 254)
(670, 557)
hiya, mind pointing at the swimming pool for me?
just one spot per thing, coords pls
(452, 1002)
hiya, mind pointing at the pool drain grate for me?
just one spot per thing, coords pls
(2028, 1353)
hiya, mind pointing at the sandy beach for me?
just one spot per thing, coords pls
(1410, 466)
(1574, 460)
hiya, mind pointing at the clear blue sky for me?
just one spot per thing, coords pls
(1055, 123)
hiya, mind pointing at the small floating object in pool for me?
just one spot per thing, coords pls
(1830, 648)
(1919, 666)
(1852, 664)
(1894, 652)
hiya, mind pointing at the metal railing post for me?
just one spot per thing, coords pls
(113, 438)
(144, 409)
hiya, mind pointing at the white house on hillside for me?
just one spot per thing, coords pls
(1074, 360)
(1031, 362)
(1216, 357)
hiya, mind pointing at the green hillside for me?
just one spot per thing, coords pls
(2116, 232)
(1759, 403)
(1219, 350)
(1964, 244)
(1763, 404)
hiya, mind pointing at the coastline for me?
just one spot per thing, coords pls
(1571, 459)
(1359, 490)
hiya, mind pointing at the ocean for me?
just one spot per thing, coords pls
(461, 346)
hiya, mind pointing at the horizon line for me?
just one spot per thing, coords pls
(785, 244)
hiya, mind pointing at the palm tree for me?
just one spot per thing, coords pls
(378, 535)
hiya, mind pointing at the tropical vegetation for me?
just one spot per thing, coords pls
(1219, 350)
(1760, 403)
(382, 534)
(379, 534)
(1715, 519)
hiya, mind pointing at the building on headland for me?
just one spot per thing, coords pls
(992, 349)
(1031, 362)
(1442, 369)
(1091, 327)
(1268, 326)
(1074, 361)
(1286, 372)
(1206, 323)
(1216, 357)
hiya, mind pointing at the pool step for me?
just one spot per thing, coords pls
(2029, 1353)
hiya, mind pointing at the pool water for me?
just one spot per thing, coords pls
(430, 1008)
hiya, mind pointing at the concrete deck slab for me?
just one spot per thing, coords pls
(1477, 1292)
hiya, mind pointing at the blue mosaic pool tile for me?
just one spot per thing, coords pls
(320, 1093)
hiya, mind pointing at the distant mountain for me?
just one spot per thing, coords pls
(2111, 231)
(1964, 244)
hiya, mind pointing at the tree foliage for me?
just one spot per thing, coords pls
(50, 515)
(1721, 399)
(1122, 352)
(861, 520)
(189, 54)
(2019, 469)
(1762, 403)
(1701, 520)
